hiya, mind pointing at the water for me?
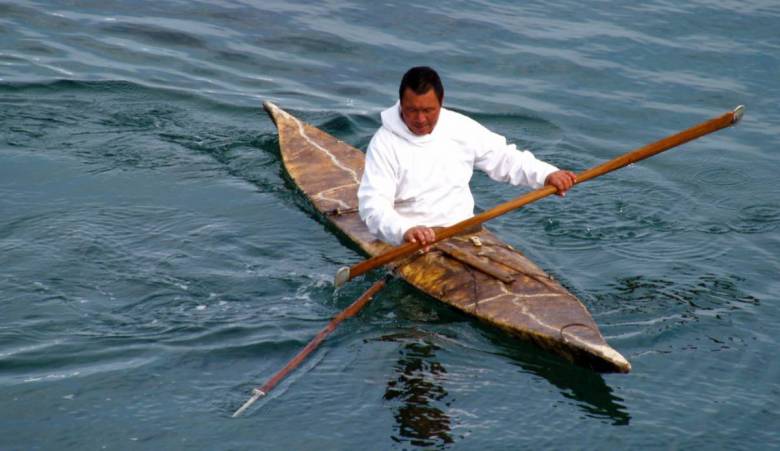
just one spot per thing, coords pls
(156, 264)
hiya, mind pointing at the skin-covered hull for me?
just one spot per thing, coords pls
(492, 281)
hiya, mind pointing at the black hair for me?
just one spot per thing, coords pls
(420, 80)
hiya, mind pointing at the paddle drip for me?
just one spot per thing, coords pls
(348, 312)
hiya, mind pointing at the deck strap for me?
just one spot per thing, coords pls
(340, 211)
(475, 262)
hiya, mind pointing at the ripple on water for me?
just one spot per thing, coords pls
(721, 177)
(676, 247)
(155, 34)
(646, 221)
(615, 216)
(713, 228)
(653, 312)
(759, 218)
(512, 124)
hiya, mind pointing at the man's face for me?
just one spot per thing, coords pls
(420, 112)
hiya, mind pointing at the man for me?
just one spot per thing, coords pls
(420, 162)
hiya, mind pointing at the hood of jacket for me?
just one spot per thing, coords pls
(391, 120)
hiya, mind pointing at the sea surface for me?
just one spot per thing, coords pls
(156, 264)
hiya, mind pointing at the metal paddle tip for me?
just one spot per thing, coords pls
(738, 113)
(256, 394)
(342, 276)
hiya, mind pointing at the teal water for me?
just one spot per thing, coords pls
(155, 263)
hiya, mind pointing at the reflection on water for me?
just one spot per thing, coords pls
(421, 403)
(420, 397)
(585, 387)
(589, 390)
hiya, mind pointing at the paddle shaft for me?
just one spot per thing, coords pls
(348, 312)
(641, 153)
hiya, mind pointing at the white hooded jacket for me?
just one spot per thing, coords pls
(412, 180)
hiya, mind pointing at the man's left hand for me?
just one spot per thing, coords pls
(562, 180)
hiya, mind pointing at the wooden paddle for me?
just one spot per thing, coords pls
(348, 312)
(348, 273)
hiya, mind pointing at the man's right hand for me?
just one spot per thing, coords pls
(420, 234)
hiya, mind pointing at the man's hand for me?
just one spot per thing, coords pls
(563, 180)
(420, 234)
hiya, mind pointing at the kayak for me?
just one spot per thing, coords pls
(475, 272)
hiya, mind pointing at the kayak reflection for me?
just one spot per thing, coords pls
(586, 388)
(424, 411)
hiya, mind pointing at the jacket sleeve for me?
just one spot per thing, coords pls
(376, 194)
(505, 163)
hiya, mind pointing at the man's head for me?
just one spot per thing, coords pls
(421, 94)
